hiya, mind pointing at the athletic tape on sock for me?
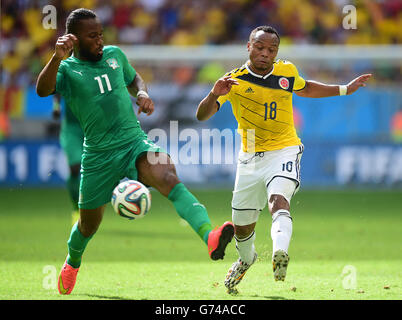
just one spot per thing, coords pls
(281, 212)
(245, 239)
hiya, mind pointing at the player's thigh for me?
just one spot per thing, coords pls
(99, 176)
(282, 175)
(158, 174)
(71, 141)
(249, 196)
(151, 165)
(284, 162)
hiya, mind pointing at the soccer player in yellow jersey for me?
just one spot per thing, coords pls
(268, 169)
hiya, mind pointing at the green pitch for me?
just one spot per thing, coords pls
(346, 245)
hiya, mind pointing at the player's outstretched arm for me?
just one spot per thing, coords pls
(137, 88)
(209, 106)
(46, 83)
(314, 89)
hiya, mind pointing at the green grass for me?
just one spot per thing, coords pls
(160, 258)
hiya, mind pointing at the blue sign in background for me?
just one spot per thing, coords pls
(32, 163)
(363, 116)
(43, 163)
(348, 141)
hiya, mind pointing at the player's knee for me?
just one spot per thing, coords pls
(169, 179)
(277, 202)
(243, 232)
(280, 190)
(90, 221)
(164, 179)
(88, 229)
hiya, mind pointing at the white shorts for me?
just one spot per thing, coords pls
(261, 174)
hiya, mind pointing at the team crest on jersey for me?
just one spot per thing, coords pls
(284, 83)
(112, 62)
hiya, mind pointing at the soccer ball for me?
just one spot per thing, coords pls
(131, 199)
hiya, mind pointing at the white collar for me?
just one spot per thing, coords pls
(258, 75)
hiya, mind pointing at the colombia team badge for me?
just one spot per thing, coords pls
(284, 83)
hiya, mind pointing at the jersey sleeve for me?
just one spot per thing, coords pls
(222, 99)
(299, 83)
(128, 70)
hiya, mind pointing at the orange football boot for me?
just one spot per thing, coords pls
(67, 278)
(218, 239)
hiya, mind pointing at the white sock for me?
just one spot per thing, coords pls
(281, 230)
(245, 248)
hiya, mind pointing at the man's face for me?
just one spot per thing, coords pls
(263, 48)
(90, 37)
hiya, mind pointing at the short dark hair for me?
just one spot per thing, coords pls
(268, 29)
(76, 16)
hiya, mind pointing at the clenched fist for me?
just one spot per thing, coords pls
(64, 45)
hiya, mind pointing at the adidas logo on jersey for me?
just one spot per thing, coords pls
(249, 90)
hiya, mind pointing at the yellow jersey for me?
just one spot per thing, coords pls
(262, 106)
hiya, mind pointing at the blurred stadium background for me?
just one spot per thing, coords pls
(182, 47)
